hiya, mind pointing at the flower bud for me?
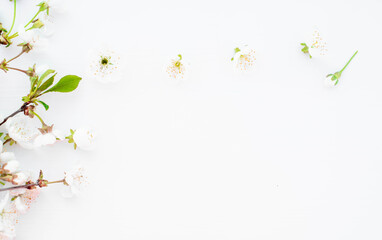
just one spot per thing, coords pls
(37, 24)
(11, 166)
(28, 111)
(19, 178)
(3, 39)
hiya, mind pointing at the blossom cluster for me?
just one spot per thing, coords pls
(25, 127)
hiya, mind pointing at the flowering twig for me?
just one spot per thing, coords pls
(21, 109)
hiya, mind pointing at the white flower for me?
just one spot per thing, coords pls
(84, 138)
(21, 129)
(24, 198)
(74, 181)
(19, 178)
(177, 69)
(244, 58)
(329, 82)
(317, 45)
(1, 146)
(105, 65)
(48, 17)
(48, 138)
(20, 206)
(8, 219)
(32, 37)
(7, 156)
(11, 166)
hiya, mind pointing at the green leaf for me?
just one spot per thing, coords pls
(46, 84)
(44, 75)
(46, 106)
(66, 84)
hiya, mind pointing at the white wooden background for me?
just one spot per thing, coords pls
(271, 154)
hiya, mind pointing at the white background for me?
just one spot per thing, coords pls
(269, 154)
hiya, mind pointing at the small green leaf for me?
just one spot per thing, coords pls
(46, 84)
(46, 106)
(66, 84)
(44, 75)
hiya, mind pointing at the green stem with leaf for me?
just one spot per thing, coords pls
(38, 12)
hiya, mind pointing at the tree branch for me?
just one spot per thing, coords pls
(21, 109)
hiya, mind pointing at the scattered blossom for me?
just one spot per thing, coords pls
(84, 138)
(32, 39)
(11, 166)
(8, 218)
(316, 46)
(48, 138)
(21, 130)
(74, 181)
(24, 199)
(19, 178)
(7, 156)
(244, 58)
(177, 68)
(105, 65)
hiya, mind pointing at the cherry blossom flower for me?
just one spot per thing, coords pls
(177, 68)
(11, 166)
(105, 65)
(19, 178)
(48, 138)
(74, 181)
(32, 38)
(8, 218)
(7, 156)
(21, 130)
(23, 198)
(244, 58)
(316, 46)
(84, 138)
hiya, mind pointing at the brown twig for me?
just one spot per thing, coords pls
(21, 109)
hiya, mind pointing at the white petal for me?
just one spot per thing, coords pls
(328, 82)
(66, 192)
(59, 134)
(7, 156)
(84, 138)
(11, 166)
(20, 206)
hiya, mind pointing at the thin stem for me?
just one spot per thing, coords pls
(53, 182)
(15, 57)
(19, 186)
(21, 109)
(42, 121)
(17, 69)
(14, 17)
(38, 12)
(348, 62)
(28, 185)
